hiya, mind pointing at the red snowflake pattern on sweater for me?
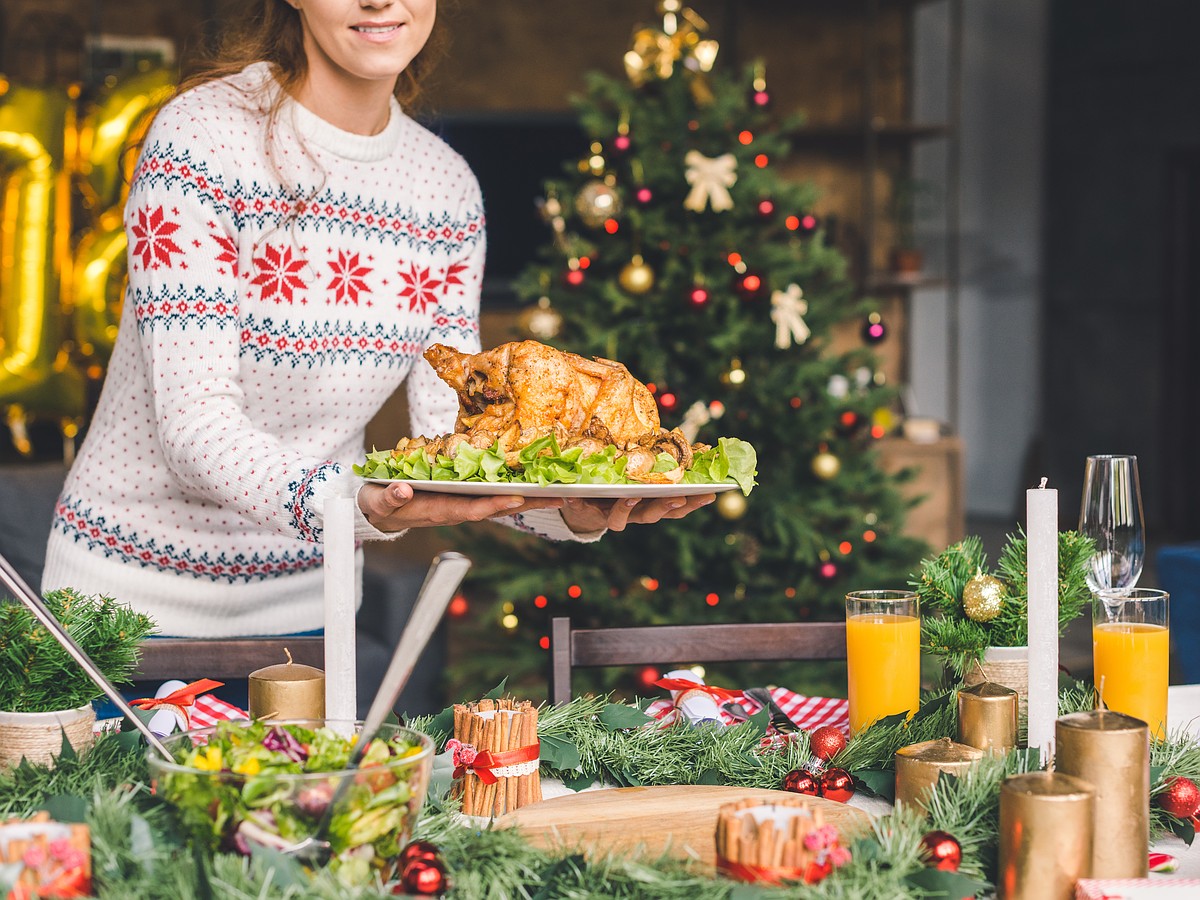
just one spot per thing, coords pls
(229, 253)
(279, 274)
(420, 288)
(349, 278)
(154, 244)
(452, 274)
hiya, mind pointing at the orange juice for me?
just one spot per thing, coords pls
(883, 655)
(1132, 658)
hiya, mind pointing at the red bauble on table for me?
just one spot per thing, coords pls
(801, 781)
(416, 850)
(1181, 798)
(827, 742)
(941, 851)
(424, 878)
(837, 784)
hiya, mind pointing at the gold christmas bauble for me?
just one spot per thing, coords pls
(731, 505)
(597, 202)
(542, 321)
(983, 597)
(636, 277)
(826, 466)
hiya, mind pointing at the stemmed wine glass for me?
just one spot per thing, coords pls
(1111, 515)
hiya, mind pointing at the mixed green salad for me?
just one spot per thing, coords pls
(542, 463)
(268, 783)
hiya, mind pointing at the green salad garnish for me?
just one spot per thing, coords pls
(261, 782)
(542, 463)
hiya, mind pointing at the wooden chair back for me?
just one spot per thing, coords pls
(591, 647)
(223, 659)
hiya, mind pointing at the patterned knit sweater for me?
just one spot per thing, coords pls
(280, 289)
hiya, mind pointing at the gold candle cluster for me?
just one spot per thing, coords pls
(497, 726)
(1045, 836)
(1111, 751)
(768, 836)
(287, 691)
(918, 767)
(987, 717)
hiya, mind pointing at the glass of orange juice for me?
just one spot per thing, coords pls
(883, 655)
(1131, 652)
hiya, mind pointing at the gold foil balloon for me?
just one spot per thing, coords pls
(98, 289)
(636, 277)
(983, 597)
(36, 374)
(596, 202)
(112, 128)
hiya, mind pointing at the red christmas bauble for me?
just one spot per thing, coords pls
(837, 784)
(801, 781)
(749, 286)
(697, 295)
(1181, 798)
(417, 850)
(941, 851)
(827, 571)
(621, 143)
(827, 742)
(425, 878)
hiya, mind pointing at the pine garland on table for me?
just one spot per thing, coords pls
(138, 854)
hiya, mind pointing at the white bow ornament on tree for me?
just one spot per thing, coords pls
(787, 308)
(711, 180)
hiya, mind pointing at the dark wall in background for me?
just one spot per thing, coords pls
(1123, 119)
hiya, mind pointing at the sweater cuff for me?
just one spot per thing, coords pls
(548, 523)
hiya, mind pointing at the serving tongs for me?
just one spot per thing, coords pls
(42, 613)
(441, 582)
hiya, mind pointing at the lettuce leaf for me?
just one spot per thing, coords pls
(543, 462)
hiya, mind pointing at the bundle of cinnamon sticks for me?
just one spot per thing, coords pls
(767, 835)
(497, 727)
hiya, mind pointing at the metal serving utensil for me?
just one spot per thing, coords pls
(441, 582)
(37, 606)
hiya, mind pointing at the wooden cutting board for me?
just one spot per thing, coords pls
(679, 819)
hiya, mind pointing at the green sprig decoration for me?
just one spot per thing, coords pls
(958, 640)
(38, 675)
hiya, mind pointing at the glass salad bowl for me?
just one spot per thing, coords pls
(242, 783)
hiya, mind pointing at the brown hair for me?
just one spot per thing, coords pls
(273, 34)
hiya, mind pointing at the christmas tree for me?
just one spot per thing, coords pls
(676, 248)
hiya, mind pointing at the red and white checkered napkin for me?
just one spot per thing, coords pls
(209, 710)
(1137, 888)
(806, 712)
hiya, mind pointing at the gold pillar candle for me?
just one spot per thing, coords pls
(987, 717)
(287, 691)
(1111, 751)
(1045, 836)
(918, 766)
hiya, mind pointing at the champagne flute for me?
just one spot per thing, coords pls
(1111, 515)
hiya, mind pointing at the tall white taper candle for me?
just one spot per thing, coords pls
(341, 694)
(1041, 528)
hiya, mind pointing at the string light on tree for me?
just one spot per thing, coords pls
(749, 285)
(766, 208)
(697, 295)
(825, 465)
(736, 375)
(759, 97)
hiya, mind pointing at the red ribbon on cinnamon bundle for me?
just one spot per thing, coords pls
(773, 875)
(481, 763)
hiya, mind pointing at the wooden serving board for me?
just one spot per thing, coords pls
(679, 819)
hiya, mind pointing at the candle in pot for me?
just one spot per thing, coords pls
(987, 717)
(1045, 836)
(287, 691)
(918, 766)
(1111, 751)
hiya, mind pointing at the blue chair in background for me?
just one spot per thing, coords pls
(1179, 575)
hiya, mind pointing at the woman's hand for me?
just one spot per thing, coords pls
(588, 516)
(396, 506)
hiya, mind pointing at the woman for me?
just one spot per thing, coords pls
(296, 242)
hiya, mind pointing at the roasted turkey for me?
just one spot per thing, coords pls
(524, 390)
